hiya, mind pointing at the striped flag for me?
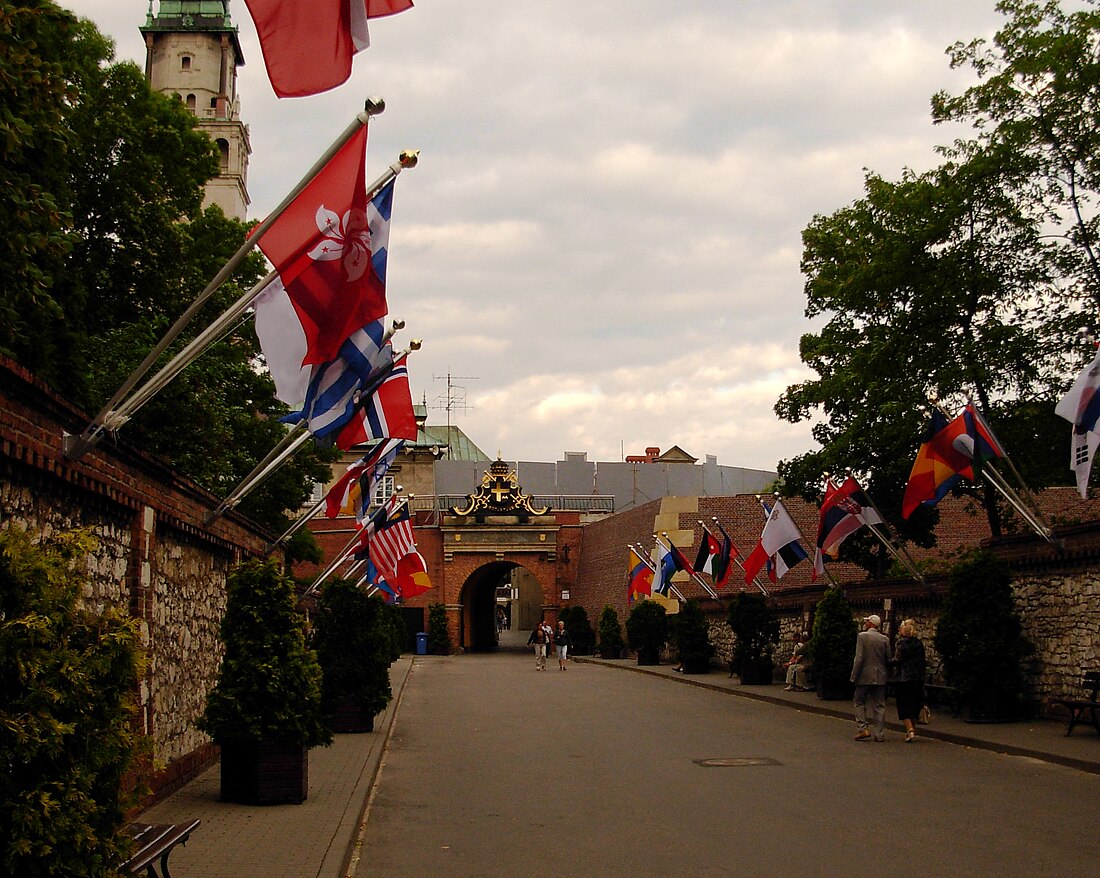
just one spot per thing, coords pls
(388, 413)
(352, 492)
(392, 540)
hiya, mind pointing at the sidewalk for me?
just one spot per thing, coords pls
(1038, 739)
(317, 839)
(322, 836)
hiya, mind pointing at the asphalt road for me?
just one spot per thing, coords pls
(494, 769)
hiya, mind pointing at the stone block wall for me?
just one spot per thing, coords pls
(156, 556)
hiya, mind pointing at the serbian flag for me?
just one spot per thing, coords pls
(308, 44)
(640, 576)
(411, 577)
(349, 495)
(386, 414)
(1081, 407)
(779, 532)
(321, 247)
(844, 511)
(939, 464)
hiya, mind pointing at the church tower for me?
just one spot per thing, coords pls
(192, 51)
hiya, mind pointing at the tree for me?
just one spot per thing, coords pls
(67, 731)
(103, 243)
(1036, 108)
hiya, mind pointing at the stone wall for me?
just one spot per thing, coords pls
(156, 556)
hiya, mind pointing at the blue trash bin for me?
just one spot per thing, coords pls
(421, 643)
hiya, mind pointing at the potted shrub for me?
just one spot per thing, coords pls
(439, 637)
(832, 646)
(979, 639)
(692, 637)
(611, 634)
(353, 639)
(647, 631)
(265, 709)
(581, 635)
(755, 627)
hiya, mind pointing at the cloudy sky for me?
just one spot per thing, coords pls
(601, 242)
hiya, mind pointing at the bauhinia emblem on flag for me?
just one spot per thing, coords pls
(308, 46)
(1081, 407)
(321, 247)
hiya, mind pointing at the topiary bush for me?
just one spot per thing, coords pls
(979, 638)
(353, 639)
(269, 683)
(832, 646)
(647, 631)
(611, 633)
(581, 635)
(692, 637)
(439, 637)
(67, 732)
(755, 626)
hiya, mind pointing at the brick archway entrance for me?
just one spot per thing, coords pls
(478, 598)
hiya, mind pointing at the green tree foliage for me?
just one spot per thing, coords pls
(832, 645)
(692, 636)
(103, 243)
(755, 626)
(269, 683)
(67, 733)
(647, 631)
(439, 636)
(611, 633)
(949, 284)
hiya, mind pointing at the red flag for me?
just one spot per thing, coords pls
(308, 46)
(412, 576)
(387, 414)
(391, 541)
(321, 248)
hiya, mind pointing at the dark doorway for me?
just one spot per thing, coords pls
(479, 599)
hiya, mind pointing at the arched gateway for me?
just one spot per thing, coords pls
(498, 549)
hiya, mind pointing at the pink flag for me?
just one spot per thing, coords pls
(308, 46)
(321, 248)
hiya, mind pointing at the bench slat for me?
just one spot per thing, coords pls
(156, 841)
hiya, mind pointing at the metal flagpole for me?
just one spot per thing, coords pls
(897, 551)
(672, 588)
(645, 559)
(693, 574)
(75, 447)
(337, 561)
(737, 559)
(282, 452)
(1017, 503)
(299, 523)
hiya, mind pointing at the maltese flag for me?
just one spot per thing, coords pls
(284, 334)
(308, 46)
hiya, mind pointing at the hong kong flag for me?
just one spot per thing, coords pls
(308, 44)
(321, 248)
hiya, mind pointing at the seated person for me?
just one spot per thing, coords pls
(796, 666)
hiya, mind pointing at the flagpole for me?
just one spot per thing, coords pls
(299, 523)
(672, 588)
(706, 530)
(897, 551)
(998, 482)
(694, 575)
(339, 559)
(737, 558)
(640, 550)
(289, 444)
(76, 447)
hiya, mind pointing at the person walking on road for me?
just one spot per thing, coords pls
(561, 641)
(908, 666)
(869, 670)
(541, 637)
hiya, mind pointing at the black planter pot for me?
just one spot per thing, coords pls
(991, 706)
(649, 656)
(834, 689)
(267, 773)
(696, 666)
(756, 672)
(351, 717)
(610, 652)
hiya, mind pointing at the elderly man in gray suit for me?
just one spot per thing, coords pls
(869, 673)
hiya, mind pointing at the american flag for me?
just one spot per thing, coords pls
(392, 538)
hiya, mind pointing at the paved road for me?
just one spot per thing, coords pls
(494, 769)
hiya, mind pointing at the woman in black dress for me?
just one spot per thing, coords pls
(909, 676)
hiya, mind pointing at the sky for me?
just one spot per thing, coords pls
(600, 245)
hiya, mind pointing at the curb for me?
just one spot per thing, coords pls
(926, 731)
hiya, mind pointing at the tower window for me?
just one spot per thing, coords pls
(190, 103)
(223, 153)
(185, 62)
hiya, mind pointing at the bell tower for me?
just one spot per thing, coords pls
(192, 51)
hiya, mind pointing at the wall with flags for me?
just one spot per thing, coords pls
(156, 556)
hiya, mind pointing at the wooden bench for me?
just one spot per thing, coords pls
(1078, 706)
(937, 692)
(155, 842)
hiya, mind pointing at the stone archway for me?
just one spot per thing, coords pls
(479, 602)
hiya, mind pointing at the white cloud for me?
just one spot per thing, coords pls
(603, 233)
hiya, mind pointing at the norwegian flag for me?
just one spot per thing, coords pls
(387, 413)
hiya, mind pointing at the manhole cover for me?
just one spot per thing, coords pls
(735, 761)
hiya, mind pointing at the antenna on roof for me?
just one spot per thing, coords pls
(454, 398)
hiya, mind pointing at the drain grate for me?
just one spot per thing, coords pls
(735, 761)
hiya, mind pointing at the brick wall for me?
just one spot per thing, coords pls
(156, 555)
